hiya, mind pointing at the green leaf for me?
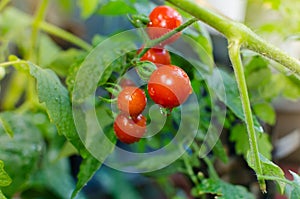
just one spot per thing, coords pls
(117, 7)
(258, 78)
(47, 50)
(88, 7)
(200, 42)
(292, 88)
(269, 169)
(219, 151)
(22, 152)
(117, 179)
(238, 134)
(1, 195)
(57, 177)
(220, 80)
(265, 112)
(65, 60)
(295, 193)
(57, 101)
(5, 180)
(222, 189)
(88, 167)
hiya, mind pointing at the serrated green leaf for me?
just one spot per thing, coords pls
(88, 7)
(238, 134)
(223, 190)
(88, 167)
(64, 61)
(256, 63)
(220, 80)
(117, 7)
(265, 112)
(5, 180)
(292, 88)
(57, 101)
(293, 189)
(20, 153)
(258, 78)
(269, 169)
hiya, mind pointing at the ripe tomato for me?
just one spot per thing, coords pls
(169, 86)
(162, 20)
(158, 56)
(132, 100)
(129, 130)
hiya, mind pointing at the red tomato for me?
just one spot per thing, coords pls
(169, 86)
(158, 56)
(162, 20)
(132, 100)
(129, 130)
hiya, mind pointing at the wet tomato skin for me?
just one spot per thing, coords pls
(169, 86)
(129, 130)
(132, 100)
(158, 56)
(162, 20)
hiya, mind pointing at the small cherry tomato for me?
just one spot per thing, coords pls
(169, 86)
(129, 130)
(158, 56)
(162, 20)
(132, 100)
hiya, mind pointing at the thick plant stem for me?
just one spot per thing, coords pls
(234, 30)
(234, 54)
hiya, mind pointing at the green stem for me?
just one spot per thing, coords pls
(56, 31)
(189, 169)
(212, 172)
(234, 54)
(274, 178)
(232, 29)
(39, 17)
(3, 3)
(155, 42)
(9, 63)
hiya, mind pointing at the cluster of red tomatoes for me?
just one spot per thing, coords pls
(168, 86)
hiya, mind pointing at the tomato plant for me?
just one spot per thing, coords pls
(59, 125)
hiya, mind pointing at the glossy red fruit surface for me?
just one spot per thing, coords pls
(169, 86)
(129, 130)
(132, 100)
(158, 56)
(162, 20)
